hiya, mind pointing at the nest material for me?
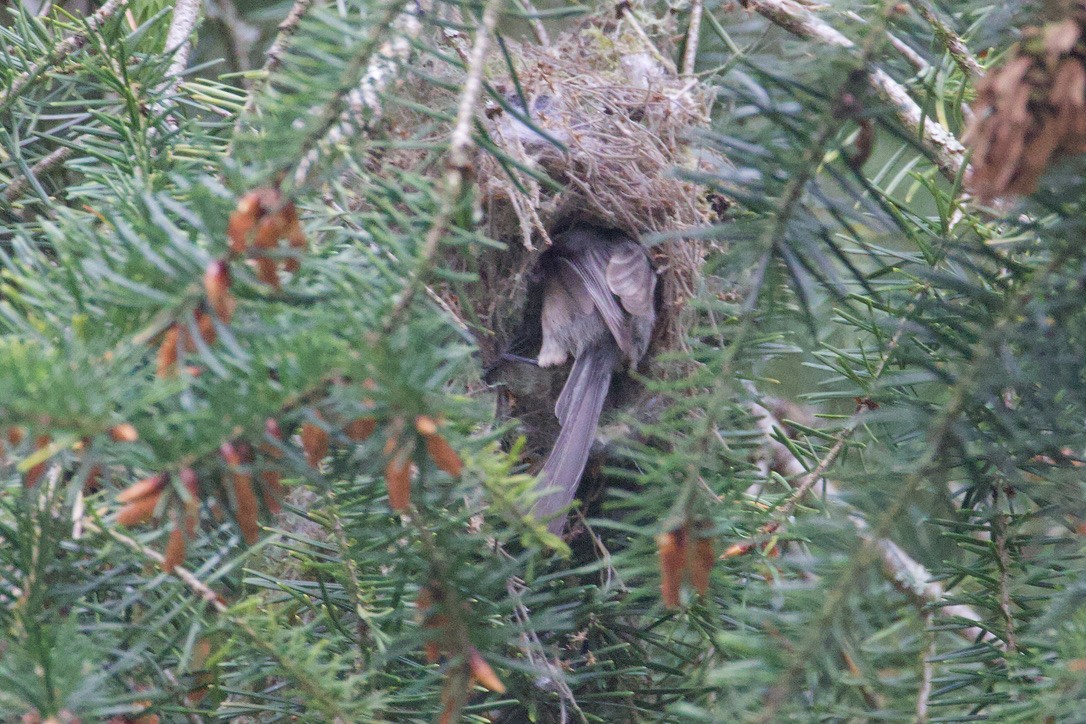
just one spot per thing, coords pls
(623, 123)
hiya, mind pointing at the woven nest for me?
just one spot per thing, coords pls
(597, 133)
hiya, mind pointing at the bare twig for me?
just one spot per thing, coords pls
(62, 50)
(554, 678)
(626, 13)
(201, 589)
(690, 56)
(179, 42)
(179, 36)
(953, 43)
(18, 185)
(274, 56)
(1003, 559)
(363, 104)
(914, 581)
(458, 167)
(914, 58)
(538, 28)
(948, 151)
(927, 670)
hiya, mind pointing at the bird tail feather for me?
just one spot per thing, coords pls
(578, 410)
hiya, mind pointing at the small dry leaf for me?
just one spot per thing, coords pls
(443, 455)
(737, 549)
(482, 673)
(231, 454)
(430, 619)
(270, 229)
(250, 211)
(217, 286)
(246, 507)
(266, 272)
(175, 550)
(206, 326)
(360, 428)
(139, 511)
(124, 432)
(147, 486)
(34, 474)
(295, 236)
(15, 436)
(314, 443)
(1029, 113)
(271, 427)
(701, 564)
(272, 488)
(863, 145)
(426, 425)
(671, 547)
(93, 483)
(167, 352)
(192, 506)
(398, 480)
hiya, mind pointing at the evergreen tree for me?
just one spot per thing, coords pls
(262, 458)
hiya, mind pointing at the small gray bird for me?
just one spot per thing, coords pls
(598, 306)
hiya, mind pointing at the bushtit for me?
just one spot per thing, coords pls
(599, 307)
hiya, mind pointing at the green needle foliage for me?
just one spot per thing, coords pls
(877, 411)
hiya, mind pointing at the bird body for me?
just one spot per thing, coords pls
(599, 308)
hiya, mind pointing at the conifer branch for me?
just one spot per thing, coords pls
(948, 151)
(274, 57)
(955, 46)
(1003, 563)
(940, 437)
(61, 51)
(19, 184)
(208, 595)
(458, 164)
(378, 63)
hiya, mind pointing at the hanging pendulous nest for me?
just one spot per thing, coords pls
(598, 131)
(1030, 111)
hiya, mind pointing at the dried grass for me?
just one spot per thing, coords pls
(625, 125)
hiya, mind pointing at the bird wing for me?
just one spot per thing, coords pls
(585, 278)
(631, 279)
